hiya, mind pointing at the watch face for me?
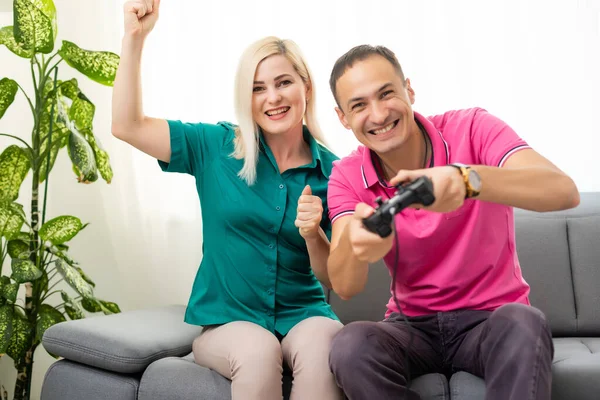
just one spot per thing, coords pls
(475, 180)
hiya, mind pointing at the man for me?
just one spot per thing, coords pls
(459, 282)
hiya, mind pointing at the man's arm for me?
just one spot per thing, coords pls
(528, 180)
(352, 249)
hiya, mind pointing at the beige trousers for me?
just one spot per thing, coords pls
(252, 357)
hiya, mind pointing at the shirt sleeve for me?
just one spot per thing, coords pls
(194, 145)
(341, 197)
(493, 140)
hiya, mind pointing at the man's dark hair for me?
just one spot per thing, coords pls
(360, 53)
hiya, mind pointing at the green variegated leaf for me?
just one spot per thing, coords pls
(8, 90)
(60, 253)
(8, 290)
(85, 277)
(12, 218)
(91, 305)
(24, 271)
(70, 89)
(6, 327)
(61, 229)
(48, 316)
(109, 307)
(72, 308)
(83, 158)
(7, 38)
(55, 140)
(35, 20)
(18, 248)
(14, 165)
(21, 338)
(74, 279)
(102, 158)
(82, 112)
(100, 66)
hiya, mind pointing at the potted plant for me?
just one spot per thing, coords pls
(34, 253)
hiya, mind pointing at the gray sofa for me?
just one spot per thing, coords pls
(145, 354)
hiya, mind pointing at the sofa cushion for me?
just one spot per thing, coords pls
(576, 369)
(67, 380)
(370, 304)
(584, 243)
(182, 379)
(543, 252)
(559, 254)
(465, 386)
(126, 342)
(431, 387)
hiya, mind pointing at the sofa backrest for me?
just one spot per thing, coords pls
(559, 253)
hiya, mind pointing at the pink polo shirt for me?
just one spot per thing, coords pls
(464, 259)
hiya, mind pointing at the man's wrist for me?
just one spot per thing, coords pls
(471, 179)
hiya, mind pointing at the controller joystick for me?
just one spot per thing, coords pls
(419, 191)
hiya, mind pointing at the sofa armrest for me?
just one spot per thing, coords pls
(126, 342)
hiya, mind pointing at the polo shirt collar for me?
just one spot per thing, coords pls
(370, 175)
(312, 143)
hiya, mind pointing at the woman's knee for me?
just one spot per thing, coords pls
(259, 348)
(314, 334)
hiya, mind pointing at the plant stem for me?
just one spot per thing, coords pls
(52, 287)
(3, 252)
(48, 295)
(19, 139)
(49, 145)
(27, 97)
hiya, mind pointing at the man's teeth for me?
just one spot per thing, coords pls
(278, 111)
(384, 129)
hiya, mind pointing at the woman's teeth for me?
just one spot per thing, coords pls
(278, 111)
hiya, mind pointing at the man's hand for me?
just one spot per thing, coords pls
(140, 16)
(310, 212)
(448, 186)
(366, 245)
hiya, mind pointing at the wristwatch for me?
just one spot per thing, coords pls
(471, 178)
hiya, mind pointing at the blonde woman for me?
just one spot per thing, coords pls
(262, 184)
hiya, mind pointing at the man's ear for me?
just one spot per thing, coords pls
(410, 91)
(342, 117)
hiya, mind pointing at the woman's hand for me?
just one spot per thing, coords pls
(140, 16)
(310, 212)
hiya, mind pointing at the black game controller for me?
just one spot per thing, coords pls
(419, 191)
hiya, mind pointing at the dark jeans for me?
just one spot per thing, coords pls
(511, 348)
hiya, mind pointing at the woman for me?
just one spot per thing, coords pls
(262, 185)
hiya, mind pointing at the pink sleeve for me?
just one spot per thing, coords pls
(493, 140)
(341, 197)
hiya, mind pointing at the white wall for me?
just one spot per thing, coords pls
(532, 63)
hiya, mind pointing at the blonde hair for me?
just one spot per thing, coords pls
(247, 131)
